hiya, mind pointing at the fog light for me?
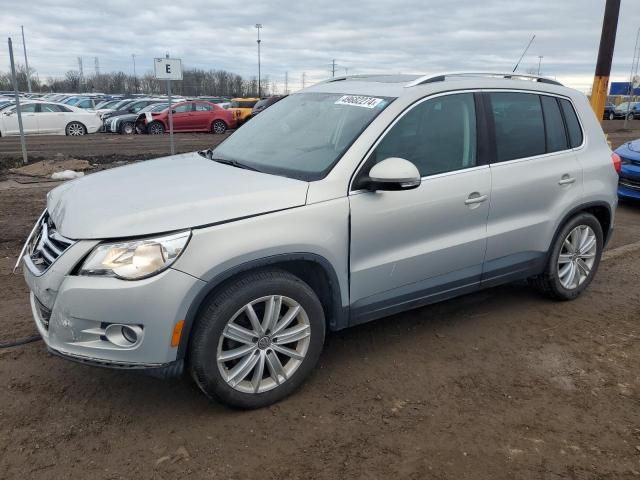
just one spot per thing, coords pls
(129, 334)
(125, 336)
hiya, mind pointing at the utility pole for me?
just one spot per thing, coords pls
(96, 63)
(333, 68)
(304, 79)
(18, 110)
(605, 57)
(540, 57)
(81, 73)
(135, 76)
(634, 68)
(26, 62)
(259, 26)
(286, 83)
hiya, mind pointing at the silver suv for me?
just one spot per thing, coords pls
(354, 199)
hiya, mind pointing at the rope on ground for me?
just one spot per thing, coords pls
(21, 341)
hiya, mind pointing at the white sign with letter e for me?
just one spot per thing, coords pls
(168, 68)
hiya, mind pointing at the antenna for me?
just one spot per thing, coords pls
(523, 54)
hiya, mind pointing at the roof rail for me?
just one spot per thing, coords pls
(442, 76)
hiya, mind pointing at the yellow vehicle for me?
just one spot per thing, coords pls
(241, 108)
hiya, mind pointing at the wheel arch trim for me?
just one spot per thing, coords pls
(583, 208)
(339, 313)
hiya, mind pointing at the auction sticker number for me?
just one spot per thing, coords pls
(359, 101)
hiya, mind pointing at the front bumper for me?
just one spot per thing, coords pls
(72, 317)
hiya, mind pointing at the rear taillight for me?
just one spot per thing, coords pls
(617, 162)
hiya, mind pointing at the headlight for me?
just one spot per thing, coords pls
(135, 259)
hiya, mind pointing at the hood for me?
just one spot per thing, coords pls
(167, 194)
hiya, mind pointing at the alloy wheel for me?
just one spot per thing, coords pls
(577, 256)
(263, 344)
(75, 129)
(219, 127)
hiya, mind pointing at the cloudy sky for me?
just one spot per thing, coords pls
(402, 36)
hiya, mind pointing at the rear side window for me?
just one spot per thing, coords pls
(573, 125)
(203, 107)
(553, 125)
(519, 125)
(185, 107)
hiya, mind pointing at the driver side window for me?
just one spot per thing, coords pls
(437, 135)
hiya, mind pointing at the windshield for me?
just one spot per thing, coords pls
(303, 135)
(155, 107)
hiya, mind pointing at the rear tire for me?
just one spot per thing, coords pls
(218, 126)
(273, 359)
(75, 129)
(611, 116)
(155, 128)
(580, 242)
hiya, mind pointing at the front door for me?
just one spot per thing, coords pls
(29, 120)
(411, 247)
(182, 119)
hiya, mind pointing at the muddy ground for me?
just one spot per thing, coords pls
(502, 384)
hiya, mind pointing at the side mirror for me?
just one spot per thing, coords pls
(394, 174)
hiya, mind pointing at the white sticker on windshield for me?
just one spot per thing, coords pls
(359, 101)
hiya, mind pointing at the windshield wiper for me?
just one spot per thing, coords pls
(235, 163)
(225, 161)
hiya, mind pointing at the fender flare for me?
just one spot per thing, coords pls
(572, 213)
(340, 314)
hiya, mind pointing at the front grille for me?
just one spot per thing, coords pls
(44, 314)
(628, 183)
(47, 244)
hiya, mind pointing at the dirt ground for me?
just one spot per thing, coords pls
(502, 384)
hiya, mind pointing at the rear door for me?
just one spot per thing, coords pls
(408, 247)
(51, 119)
(202, 116)
(536, 179)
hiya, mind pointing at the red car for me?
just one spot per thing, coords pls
(191, 116)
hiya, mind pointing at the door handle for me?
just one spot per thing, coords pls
(566, 180)
(475, 198)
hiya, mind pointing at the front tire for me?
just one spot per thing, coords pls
(75, 129)
(257, 339)
(611, 116)
(127, 128)
(155, 128)
(574, 259)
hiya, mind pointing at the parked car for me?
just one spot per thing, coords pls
(609, 112)
(191, 116)
(48, 118)
(132, 106)
(625, 110)
(345, 202)
(629, 184)
(265, 103)
(126, 124)
(223, 102)
(242, 108)
(83, 102)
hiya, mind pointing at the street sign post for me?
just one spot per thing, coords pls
(23, 144)
(168, 69)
